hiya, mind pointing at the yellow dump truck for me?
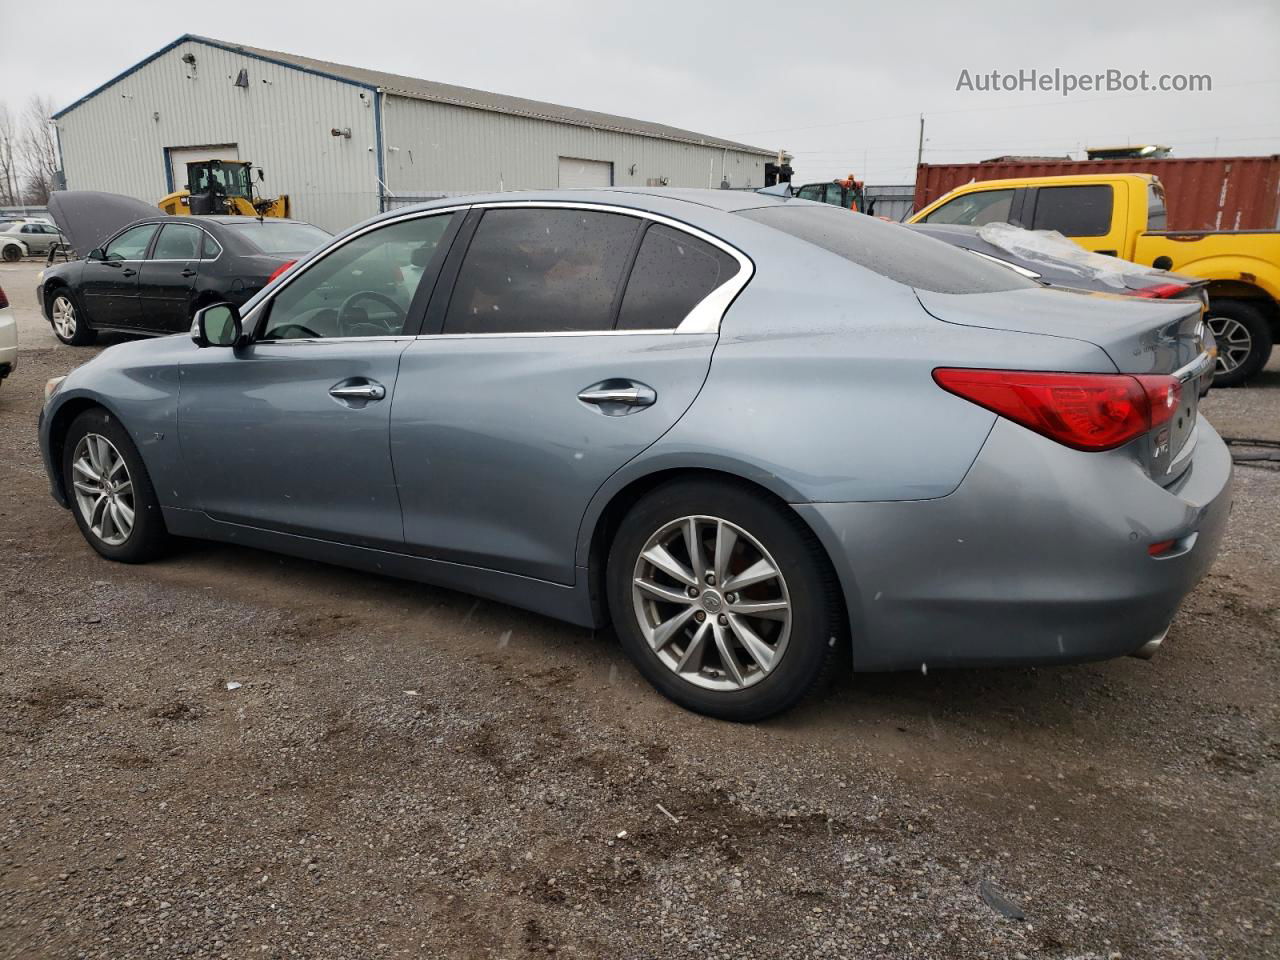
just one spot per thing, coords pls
(1123, 215)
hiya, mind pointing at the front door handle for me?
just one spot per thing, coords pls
(616, 397)
(358, 392)
(130, 272)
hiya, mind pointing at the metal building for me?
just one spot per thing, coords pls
(344, 142)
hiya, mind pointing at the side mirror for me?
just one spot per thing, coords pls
(261, 175)
(217, 326)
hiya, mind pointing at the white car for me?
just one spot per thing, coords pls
(8, 338)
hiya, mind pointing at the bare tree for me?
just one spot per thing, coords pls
(8, 166)
(39, 150)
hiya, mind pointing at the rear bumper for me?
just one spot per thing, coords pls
(1040, 556)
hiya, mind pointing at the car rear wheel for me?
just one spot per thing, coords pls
(111, 495)
(68, 320)
(723, 599)
(1243, 337)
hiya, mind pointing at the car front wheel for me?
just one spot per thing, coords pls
(67, 320)
(115, 506)
(723, 599)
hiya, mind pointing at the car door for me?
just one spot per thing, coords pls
(544, 370)
(33, 236)
(166, 279)
(290, 432)
(109, 281)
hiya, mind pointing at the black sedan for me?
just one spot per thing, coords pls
(151, 275)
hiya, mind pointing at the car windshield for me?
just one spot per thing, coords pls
(280, 237)
(889, 249)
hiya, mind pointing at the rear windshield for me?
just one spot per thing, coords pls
(278, 237)
(889, 249)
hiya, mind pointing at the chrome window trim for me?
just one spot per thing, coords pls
(287, 343)
(705, 317)
(1016, 268)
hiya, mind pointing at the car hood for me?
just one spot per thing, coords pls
(88, 217)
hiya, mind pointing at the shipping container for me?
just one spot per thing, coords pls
(1201, 193)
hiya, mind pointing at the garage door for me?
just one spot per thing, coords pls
(585, 173)
(179, 157)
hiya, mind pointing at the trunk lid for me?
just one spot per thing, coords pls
(1140, 336)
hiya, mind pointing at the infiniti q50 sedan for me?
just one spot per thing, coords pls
(746, 430)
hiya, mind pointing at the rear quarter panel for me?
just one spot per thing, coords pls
(1251, 258)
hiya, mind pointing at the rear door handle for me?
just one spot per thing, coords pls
(129, 272)
(188, 272)
(358, 391)
(619, 396)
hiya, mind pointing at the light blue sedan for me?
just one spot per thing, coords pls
(747, 430)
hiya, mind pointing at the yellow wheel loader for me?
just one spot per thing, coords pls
(221, 187)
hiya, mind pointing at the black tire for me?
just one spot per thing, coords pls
(83, 335)
(817, 620)
(12, 253)
(1234, 317)
(148, 538)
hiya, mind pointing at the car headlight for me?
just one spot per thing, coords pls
(51, 387)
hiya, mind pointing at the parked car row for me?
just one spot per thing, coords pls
(744, 429)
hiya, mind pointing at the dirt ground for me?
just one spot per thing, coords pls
(408, 772)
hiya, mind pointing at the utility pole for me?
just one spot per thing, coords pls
(920, 143)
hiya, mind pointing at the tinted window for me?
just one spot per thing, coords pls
(541, 271)
(210, 248)
(131, 244)
(279, 237)
(810, 191)
(835, 194)
(1074, 211)
(177, 241)
(890, 249)
(362, 289)
(31, 228)
(673, 273)
(1157, 218)
(975, 209)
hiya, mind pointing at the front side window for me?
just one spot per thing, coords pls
(835, 194)
(673, 273)
(975, 209)
(1083, 211)
(810, 191)
(541, 271)
(130, 245)
(177, 241)
(363, 289)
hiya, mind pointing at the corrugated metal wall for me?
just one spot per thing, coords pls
(893, 202)
(1201, 193)
(442, 148)
(281, 122)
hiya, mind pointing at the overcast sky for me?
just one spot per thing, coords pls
(838, 84)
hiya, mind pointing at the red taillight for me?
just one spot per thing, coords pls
(1162, 291)
(281, 269)
(4, 301)
(1164, 546)
(1086, 411)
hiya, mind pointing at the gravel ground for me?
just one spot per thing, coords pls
(405, 771)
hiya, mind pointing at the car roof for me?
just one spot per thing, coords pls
(653, 199)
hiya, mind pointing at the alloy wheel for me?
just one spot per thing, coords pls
(64, 317)
(712, 603)
(1235, 342)
(103, 489)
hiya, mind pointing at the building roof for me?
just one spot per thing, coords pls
(417, 89)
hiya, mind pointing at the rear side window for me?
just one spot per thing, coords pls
(177, 241)
(1157, 217)
(541, 271)
(1074, 211)
(673, 274)
(890, 249)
